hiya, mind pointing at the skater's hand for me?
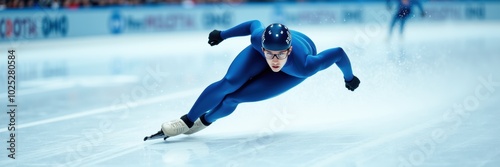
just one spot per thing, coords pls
(352, 84)
(214, 38)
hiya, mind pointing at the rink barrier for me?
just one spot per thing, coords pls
(33, 24)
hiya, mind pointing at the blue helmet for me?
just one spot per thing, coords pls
(276, 37)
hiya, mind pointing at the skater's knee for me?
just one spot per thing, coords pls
(229, 84)
(232, 82)
(227, 107)
(231, 101)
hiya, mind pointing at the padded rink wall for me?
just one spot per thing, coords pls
(42, 24)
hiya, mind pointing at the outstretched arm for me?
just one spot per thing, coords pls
(323, 60)
(420, 7)
(330, 56)
(242, 29)
(215, 37)
(388, 4)
(315, 63)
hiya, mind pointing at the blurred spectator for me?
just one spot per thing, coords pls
(55, 4)
(171, 1)
(30, 3)
(15, 4)
(2, 4)
(85, 4)
(72, 4)
(75, 4)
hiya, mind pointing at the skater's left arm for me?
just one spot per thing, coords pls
(420, 7)
(323, 60)
(388, 4)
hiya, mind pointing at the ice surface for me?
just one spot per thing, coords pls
(429, 98)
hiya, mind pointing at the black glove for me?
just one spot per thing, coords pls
(214, 38)
(352, 84)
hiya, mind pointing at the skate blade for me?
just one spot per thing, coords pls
(157, 135)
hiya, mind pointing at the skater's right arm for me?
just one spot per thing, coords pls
(388, 4)
(242, 29)
(420, 7)
(215, 37)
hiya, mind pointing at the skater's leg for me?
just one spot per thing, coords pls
(401, 28)
(245, 66)
(263, 87)
(404, 13)
(393, 23)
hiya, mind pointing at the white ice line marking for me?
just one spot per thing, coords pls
(109, 108)
(327, 160)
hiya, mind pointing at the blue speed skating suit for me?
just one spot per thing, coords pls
(250, 79)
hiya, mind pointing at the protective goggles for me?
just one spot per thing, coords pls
(280, 56)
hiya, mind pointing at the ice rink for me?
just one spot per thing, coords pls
(429, 98)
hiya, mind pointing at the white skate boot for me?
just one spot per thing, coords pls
(197, 126)
(174, 128)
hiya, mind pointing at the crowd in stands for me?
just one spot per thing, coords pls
(74, 4)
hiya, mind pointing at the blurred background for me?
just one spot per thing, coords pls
(94, 77)
(25, 22)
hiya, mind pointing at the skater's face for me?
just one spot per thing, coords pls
(277, 59)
